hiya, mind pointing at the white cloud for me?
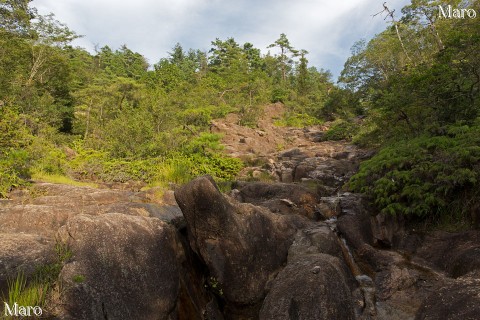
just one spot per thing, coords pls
(326, 29)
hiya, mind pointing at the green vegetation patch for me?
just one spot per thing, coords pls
(341, 130)
(35, 290)
(425, 177)
(298, 120)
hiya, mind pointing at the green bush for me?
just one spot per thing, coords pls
(204, 143)
(88, 163)
(426, 176)
(279, 94)
(180, 168)
(199, 156)
(13, 132)
(298, 120)
(46, 157)
(14, 169)
(200, 117)
(119, 170)
(341, 130)
(174, 169)
(218, 166)
(249, 116)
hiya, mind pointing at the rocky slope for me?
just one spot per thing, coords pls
(288, 243)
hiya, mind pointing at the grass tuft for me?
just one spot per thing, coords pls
(57, 178)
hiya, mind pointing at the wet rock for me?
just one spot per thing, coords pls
(243, 246)
(331, 172)
(356, 229)
(329, 207)
(402, 286)
(302, 171)
(310, 287)
(341, 155)
(355, 225)
(212, 311)
(122, 267)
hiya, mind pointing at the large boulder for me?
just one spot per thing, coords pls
(243, 246)
(123, 267)
(312, 286)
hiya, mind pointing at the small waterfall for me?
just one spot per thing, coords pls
(367, 308)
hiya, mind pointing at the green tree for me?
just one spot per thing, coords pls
(302, 73)
(15, 16)
(286, 53)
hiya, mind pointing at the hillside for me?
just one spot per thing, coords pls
(242, 182)
(251, 253)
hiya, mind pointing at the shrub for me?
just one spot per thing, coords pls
(341, 130)
(180, 168)
(174, 169)
(200, 117)
(218, 166)
(299, 120)
(120, 170)
(88, 163)
(14, 169)
(204, 143)
(279, 94)
(13, 133)
(426, 176)
(249, 115)
(47, 158)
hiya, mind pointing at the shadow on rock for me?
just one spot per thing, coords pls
(243, 246)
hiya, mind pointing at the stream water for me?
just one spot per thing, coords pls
(366, 308)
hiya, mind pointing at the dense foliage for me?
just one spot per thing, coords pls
(418, 83)
(110, 116)
(427, 175)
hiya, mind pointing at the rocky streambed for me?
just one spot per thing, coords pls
(293, 247)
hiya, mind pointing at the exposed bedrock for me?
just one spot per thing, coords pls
(252, 253)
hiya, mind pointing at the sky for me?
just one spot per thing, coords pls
(326, 29)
